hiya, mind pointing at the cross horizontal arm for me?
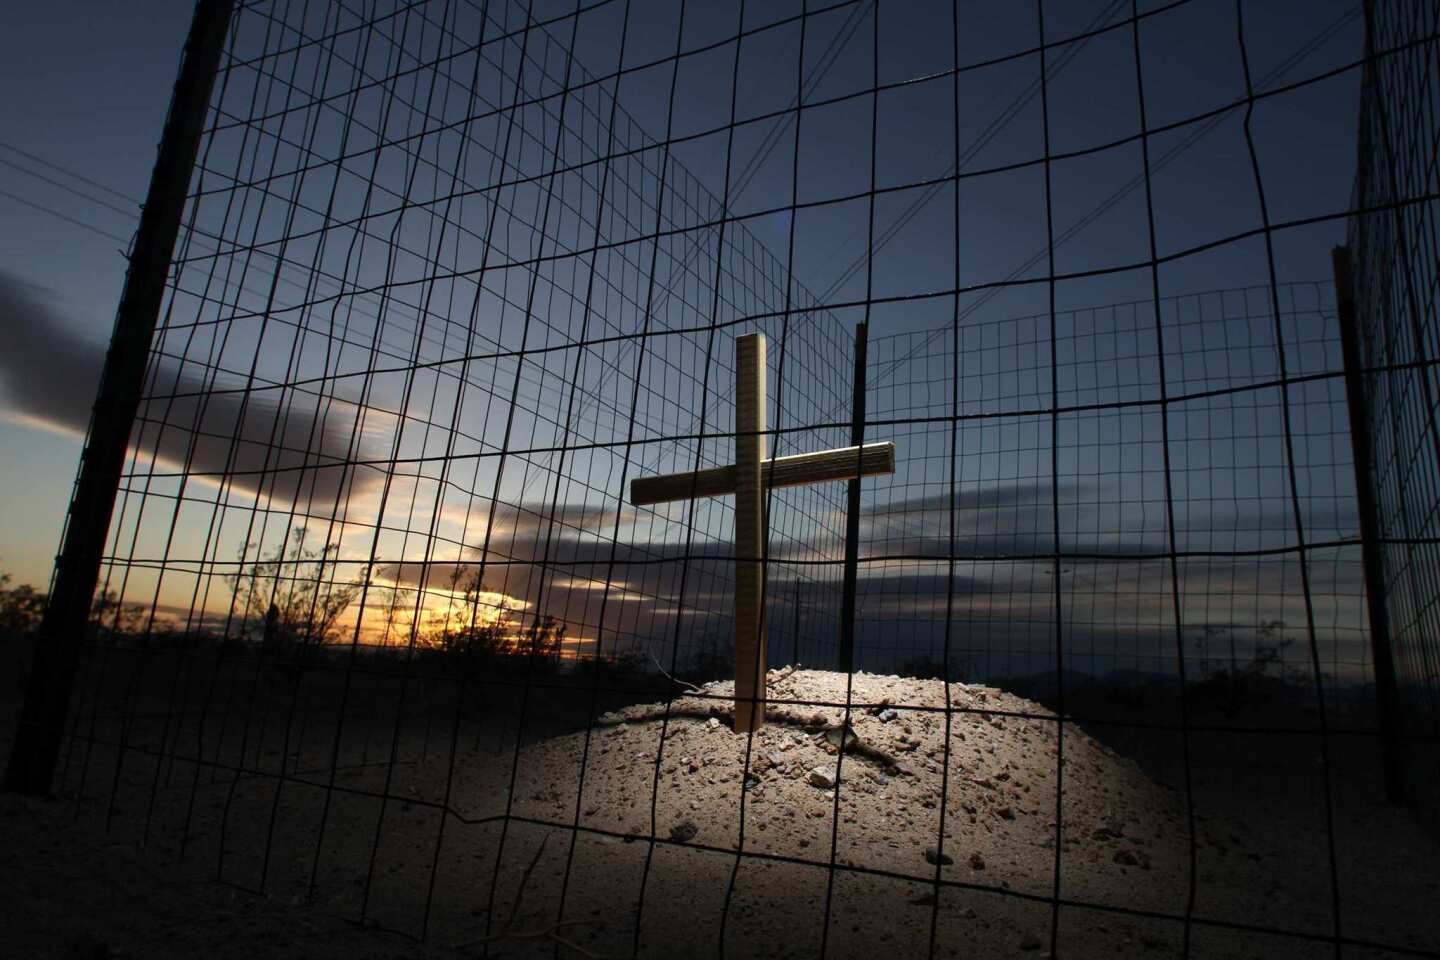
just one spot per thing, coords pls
(793, 471)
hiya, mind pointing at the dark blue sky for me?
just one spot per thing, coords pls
(84, 85)
(87, 87)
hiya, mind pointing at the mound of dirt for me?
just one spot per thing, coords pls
(824, 833)
(997, 772)
(800, 794)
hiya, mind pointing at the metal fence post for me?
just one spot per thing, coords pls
(31, 765)
(1372, 560)
(852, 514)
(795, 637)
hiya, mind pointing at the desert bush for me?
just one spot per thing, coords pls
(293, 595)
(472, 636)
(713, 659)
(1264, 677)
(21, 608)
(631, 670)
(928, 668)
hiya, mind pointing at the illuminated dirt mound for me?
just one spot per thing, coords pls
(1124, 839)
(1000, 794)
(432, 824)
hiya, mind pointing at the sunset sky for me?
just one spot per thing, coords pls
(84, 99)
(85, 88)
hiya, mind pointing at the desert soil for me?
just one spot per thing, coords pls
(842, 831)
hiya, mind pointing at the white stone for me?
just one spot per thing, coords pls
(823, 777)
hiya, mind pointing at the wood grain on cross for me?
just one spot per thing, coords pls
(748, 478)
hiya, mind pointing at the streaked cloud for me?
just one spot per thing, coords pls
(283, 445)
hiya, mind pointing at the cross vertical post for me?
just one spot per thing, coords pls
(750, 653)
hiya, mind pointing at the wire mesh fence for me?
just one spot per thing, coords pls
(379, 627)
(1237, 551)
(1397, 261)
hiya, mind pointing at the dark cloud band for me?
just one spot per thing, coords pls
(277, 443)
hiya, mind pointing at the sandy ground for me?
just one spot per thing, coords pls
(313, 864)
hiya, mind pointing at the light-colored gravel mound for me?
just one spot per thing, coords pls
(1123, 836)
(475, 846)
(1000, 792)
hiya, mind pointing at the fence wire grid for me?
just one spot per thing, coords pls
(378, 625)
(1397, 266)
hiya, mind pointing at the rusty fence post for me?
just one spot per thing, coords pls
(33, 755)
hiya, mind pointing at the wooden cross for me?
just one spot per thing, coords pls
(748, 478)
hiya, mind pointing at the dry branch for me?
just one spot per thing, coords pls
(680, 683)
(550, 933)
